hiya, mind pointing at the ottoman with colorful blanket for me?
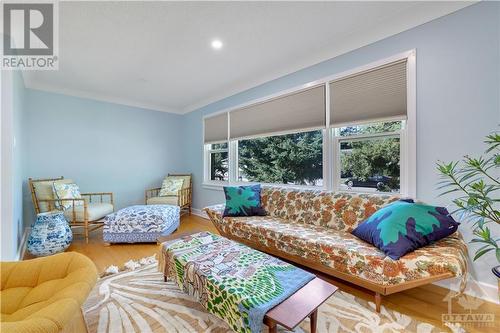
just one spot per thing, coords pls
(141, 223)
(230, 280)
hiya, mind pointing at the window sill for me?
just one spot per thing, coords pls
(214, 186)
(219, 185)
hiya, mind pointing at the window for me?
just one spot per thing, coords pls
(294, 159)
(369, 157)
(218, 161)
(351, 132)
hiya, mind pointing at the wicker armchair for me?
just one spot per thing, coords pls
(183, 199)
(89, 215)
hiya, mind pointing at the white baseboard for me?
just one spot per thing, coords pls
(491, 292)
(21, 251)
(200, 213)
(485, 291)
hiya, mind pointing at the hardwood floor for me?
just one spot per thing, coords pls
(104, 255)
(424, 303)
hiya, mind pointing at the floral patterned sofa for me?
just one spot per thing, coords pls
(312, 228)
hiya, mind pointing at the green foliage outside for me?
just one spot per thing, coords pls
(298, 158)
(390, 126)
(219, 166)
(285, 159)
(368, 158)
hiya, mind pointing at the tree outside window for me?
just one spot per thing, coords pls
(285, 159)
(366, 164)
(371, 164)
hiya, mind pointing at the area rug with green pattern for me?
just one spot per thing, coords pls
(137, 300)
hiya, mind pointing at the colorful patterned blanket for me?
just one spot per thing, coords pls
(232, 281)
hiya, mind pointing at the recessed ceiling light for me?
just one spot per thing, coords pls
(216, 44)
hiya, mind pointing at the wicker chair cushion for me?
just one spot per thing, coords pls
(96, 211)
(170, 200)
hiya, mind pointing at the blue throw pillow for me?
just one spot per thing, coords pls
(243, 201)
(404, 226)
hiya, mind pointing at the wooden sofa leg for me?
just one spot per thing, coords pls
(378, 301)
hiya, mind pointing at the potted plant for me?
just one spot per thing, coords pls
(476, 182)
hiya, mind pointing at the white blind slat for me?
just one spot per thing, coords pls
(375, 94)
(300, 110)
(216, 128)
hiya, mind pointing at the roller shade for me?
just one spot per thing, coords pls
(300, 110)
(215, 128)
(376, 94)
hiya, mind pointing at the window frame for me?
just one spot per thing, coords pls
(331, 156)
(337, 140)
(207, 163)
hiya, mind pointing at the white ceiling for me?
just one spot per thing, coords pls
(157, 55)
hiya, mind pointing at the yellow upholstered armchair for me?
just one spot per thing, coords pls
(45, 295)
(183, 197)
(87, 213)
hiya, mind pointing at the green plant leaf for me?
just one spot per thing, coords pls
(478, 240)
(493, 141)
(476, 188)
(481, 253)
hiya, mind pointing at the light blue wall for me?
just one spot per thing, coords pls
(103, 147)
(19, 119)
(12, 152)
(458, 75)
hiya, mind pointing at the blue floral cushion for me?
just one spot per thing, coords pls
(243, 201)
(404, 226)
(66, 191)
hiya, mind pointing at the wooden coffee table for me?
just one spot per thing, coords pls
(296, 308)
(304, 303)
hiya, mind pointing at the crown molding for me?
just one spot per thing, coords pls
(96, 96)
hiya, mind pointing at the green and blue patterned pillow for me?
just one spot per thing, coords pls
(66, 191)
(404, 226)
(243, 201)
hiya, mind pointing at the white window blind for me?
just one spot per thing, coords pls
(297, 111)
(377, 94)
(216, 128)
